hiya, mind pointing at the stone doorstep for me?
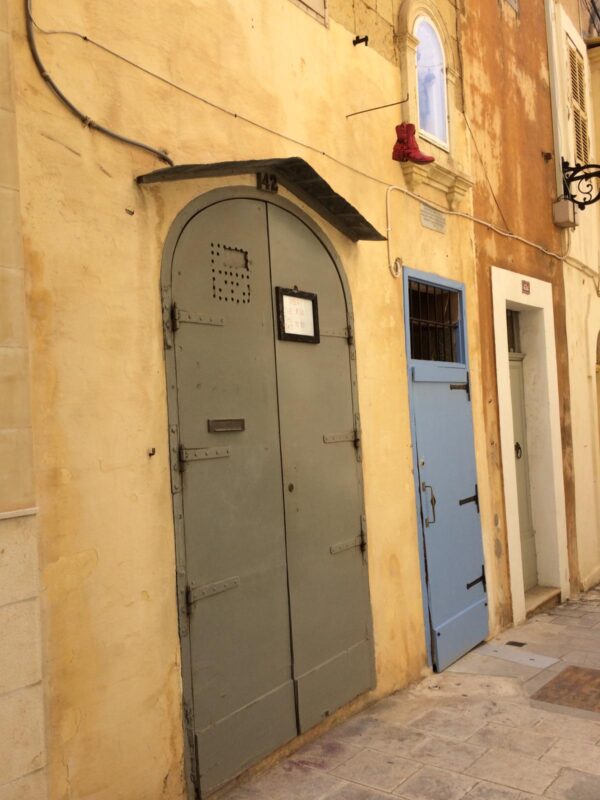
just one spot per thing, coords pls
(540, 599)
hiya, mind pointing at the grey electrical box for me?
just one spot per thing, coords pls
(564, 213)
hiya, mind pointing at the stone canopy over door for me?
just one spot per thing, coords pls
(276, 628)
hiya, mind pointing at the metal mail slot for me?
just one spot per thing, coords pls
(226, 425)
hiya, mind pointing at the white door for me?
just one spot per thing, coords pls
(522, 468)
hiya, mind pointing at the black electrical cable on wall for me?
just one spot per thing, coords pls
(89, 123)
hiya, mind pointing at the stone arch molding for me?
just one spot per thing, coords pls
(411, 10)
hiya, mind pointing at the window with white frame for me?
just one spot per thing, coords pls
(431, 83)
(578, 104)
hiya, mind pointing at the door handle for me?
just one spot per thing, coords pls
(424, 487)
(518, 450)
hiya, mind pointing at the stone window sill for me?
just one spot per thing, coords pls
(452, 184)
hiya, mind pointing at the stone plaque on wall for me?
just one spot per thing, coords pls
(433, 219)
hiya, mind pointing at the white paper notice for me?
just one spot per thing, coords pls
(298, 316)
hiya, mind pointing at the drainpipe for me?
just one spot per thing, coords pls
(558, 149)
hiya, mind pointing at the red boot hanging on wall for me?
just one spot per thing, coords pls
(406, 148)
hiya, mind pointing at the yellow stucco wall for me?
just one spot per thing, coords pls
(93, 248)
(582, 301)
(22, 730)
(582, 288)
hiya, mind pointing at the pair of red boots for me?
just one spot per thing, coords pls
(406, 148)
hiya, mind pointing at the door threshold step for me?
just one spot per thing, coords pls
(541, 598)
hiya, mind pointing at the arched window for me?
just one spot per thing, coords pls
(431, 82)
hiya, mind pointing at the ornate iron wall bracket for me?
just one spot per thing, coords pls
(579, 183)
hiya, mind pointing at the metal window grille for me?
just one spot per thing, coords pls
(434, 322)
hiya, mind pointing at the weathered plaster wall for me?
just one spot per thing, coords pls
(583, 325)
(22, 749)
(507, 102)
(383, 21)
(376, 18)
(582, 284)
(93, 248)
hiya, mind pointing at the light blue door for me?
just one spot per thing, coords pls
(445, 472)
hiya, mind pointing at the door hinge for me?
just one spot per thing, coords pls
(465, 387)
(192, 742)
(473, 499)
(175, 462)
(174, 317)
(350, 337)
(353, 436)
(359, 542)
(167, 325)
(357, 437)
(363, 533)
(480, 579)
(195, 592)
(196, 769)
(201, 454)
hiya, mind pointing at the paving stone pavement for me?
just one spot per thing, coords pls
(473, 732)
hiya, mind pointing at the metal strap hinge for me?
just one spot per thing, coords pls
(195, 593)
(196, 770)
(178, 316)
(348, 544)
(353, 436)
(177, 466)
(473, 499)
(201, 454)
(192, 742)
(480, 579)
(363, 533)
(174, 317)
(346, 333)
(465, 387)
(357, 437)
(349, 436)
(359, 542)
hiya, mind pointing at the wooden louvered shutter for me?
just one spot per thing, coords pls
(579, 105)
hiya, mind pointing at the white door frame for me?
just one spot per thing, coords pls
(542, 411)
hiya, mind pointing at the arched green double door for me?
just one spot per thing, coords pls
(263, 409)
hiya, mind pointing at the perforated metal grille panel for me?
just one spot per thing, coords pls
(230, 268)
